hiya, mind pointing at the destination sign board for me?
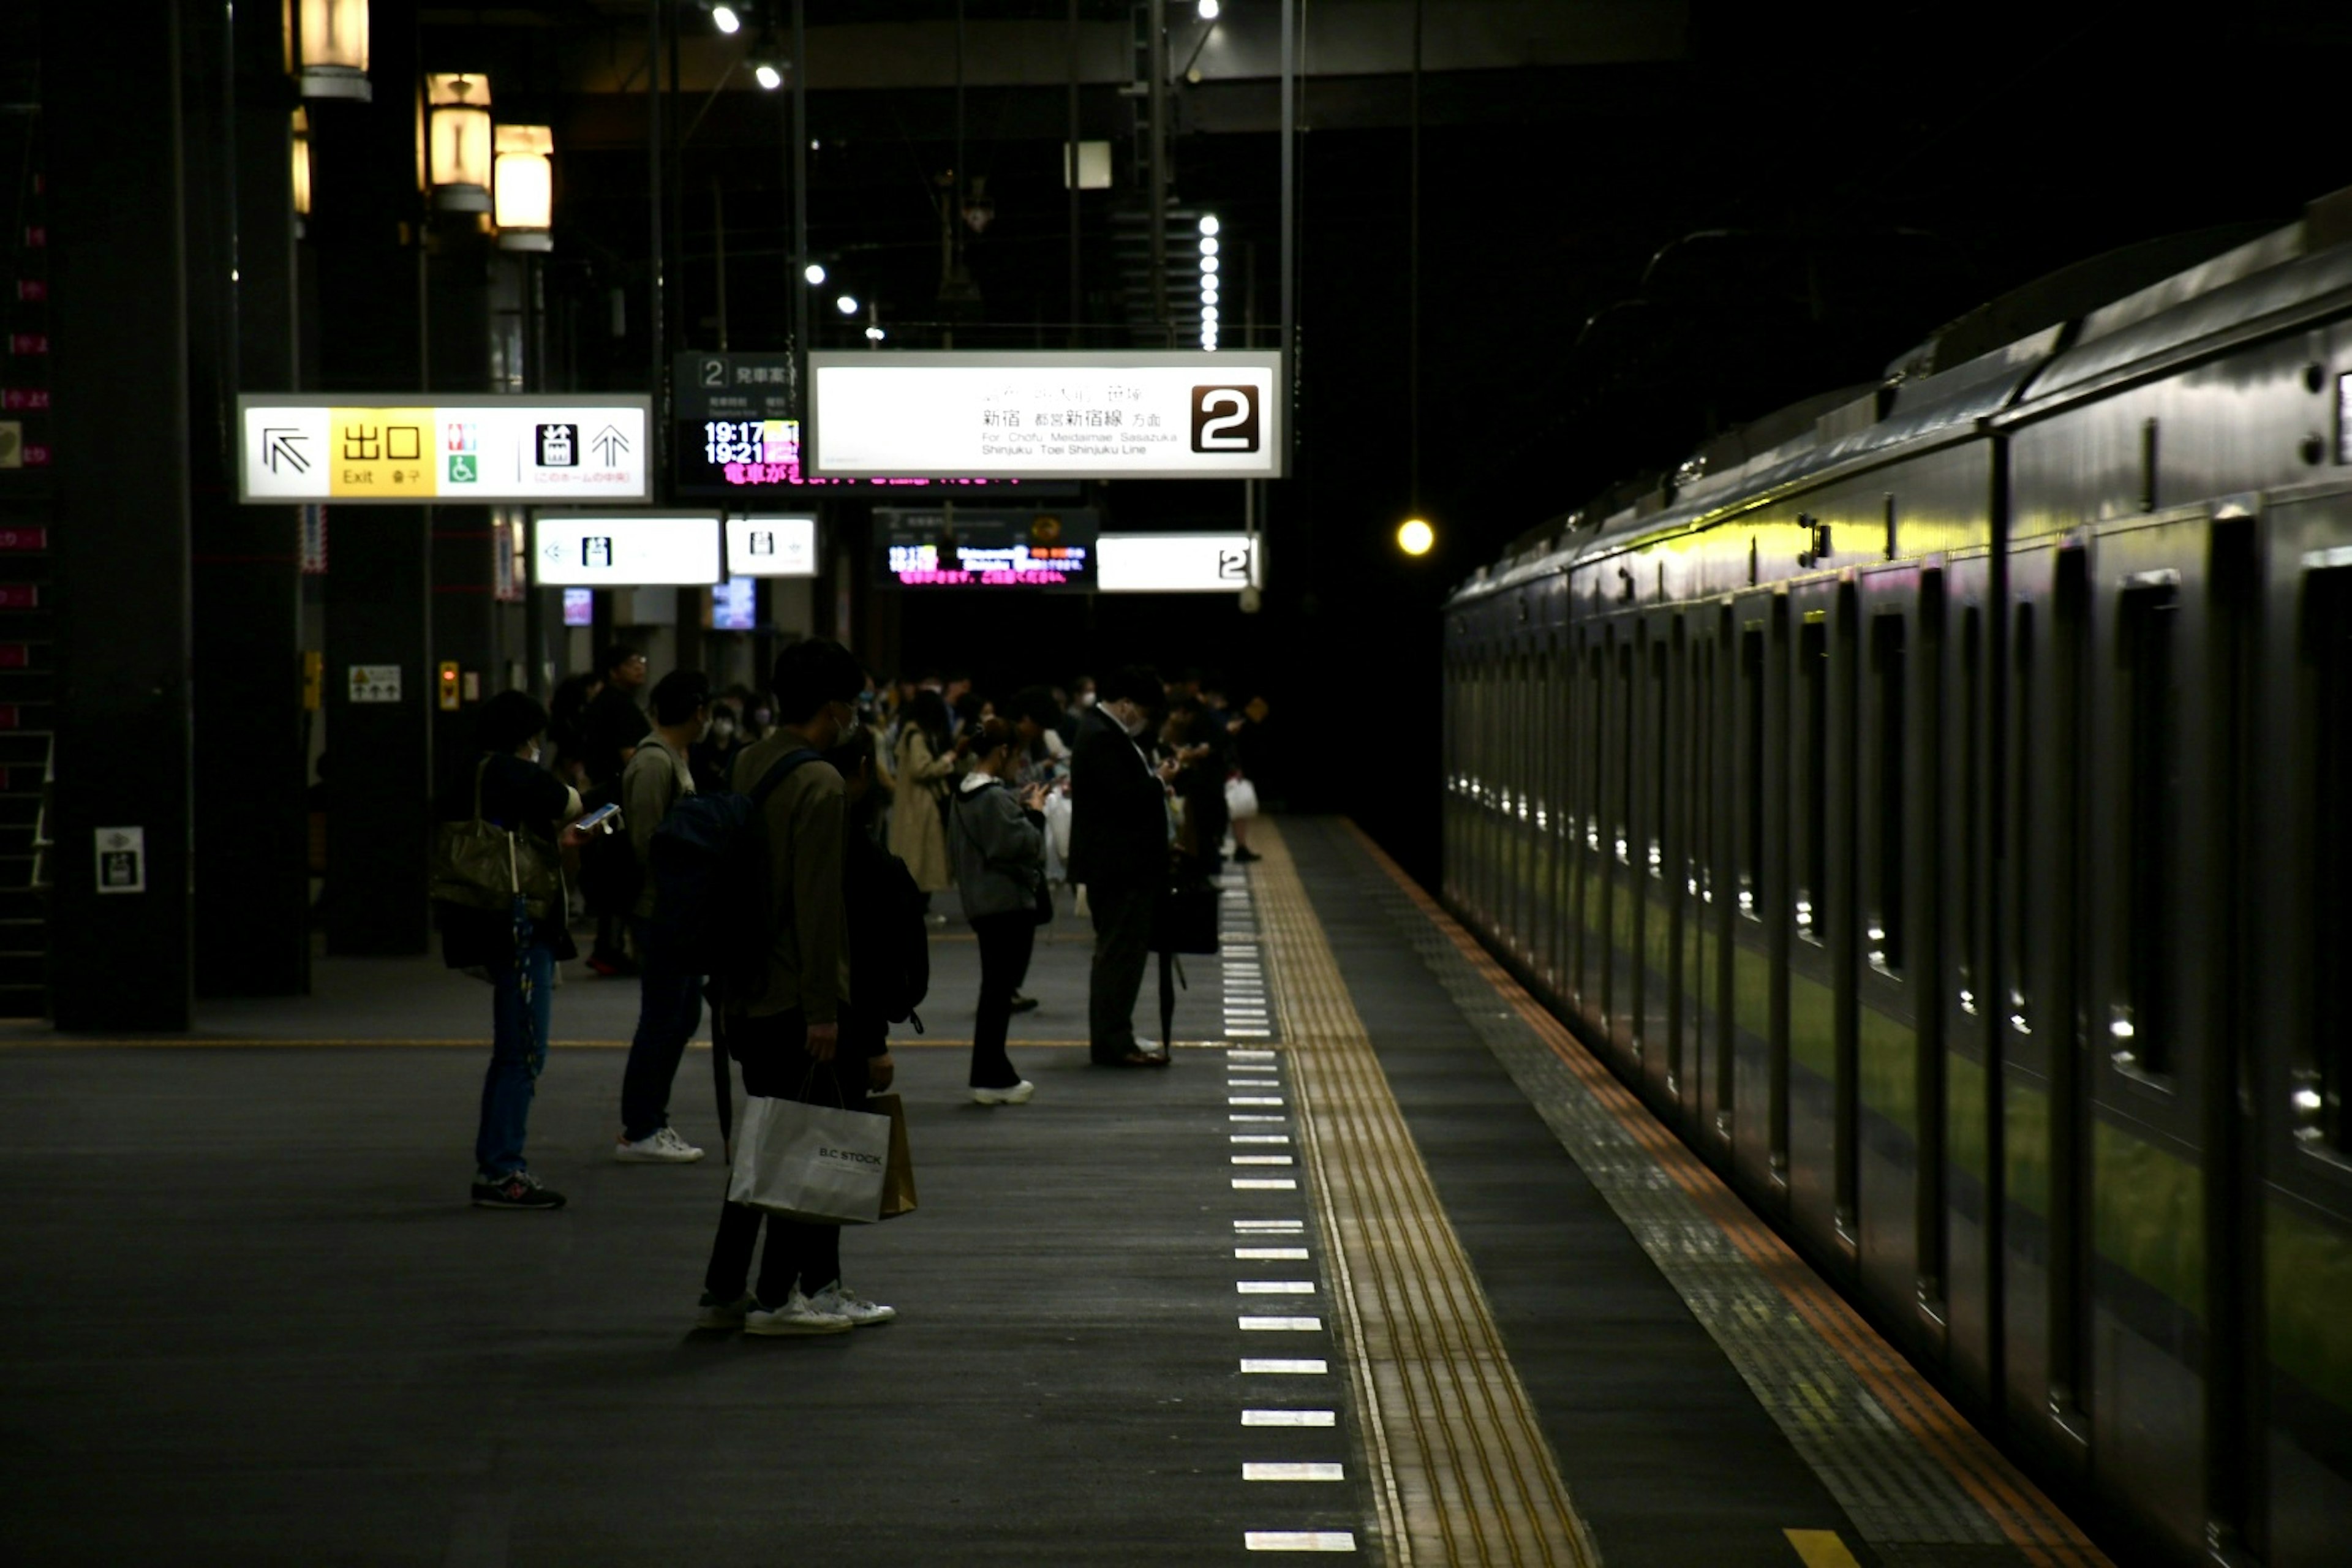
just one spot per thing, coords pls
(1142, 415)
(392, 448)
(615, 549)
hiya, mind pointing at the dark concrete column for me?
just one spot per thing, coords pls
(364, 216)
(458, 316)
(251, 844)
(119, 960)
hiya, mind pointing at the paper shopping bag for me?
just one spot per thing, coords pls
(899, 1180)
(813, 1163)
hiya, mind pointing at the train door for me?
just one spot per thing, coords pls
(1593, 896)
(1963, 1270)
(1706, 736)
(1660, 968)
(1561, 748)
(1583, 820)
(1897, 1080)
(1758, 1086)
(2156, 1060)
(1620, 914)
(1819, 916)
(2298, 1349)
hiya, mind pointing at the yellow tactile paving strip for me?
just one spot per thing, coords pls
(1461, 1471)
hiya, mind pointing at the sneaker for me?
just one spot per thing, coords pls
(861, 1312)
(663, 1148)
(1023, 1003)
(1017, 1094)
(937, 923)
(1248, 856)
(722, 1313)
(515, 1190)
(798, 1315)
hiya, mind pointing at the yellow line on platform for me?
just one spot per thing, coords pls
(1463, 1473)
(207, 1042)
(1822, 1548)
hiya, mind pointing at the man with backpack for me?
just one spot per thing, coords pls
(670, 1007)
(786, 1014)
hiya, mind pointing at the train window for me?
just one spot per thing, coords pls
(2323, 1076)
(2142, 1027)
(1887, 667)
(1654, 830)
(1813, 671)
(2015, 918)
(1752, 771)
(1621, 799)
(1972, 686)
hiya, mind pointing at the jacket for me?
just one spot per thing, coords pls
(1118, 811)
(1000, 849)
(655, 779)
(917, 835)
(803, 827)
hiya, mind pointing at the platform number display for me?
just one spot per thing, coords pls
(1224, 419)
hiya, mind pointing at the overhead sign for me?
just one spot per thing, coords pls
(771, 546)
(604, 549)
(1069, 416)
(986, 549)
(734, 435)
(391, 449)
(1179, 563)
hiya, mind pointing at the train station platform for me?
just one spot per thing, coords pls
(1385, 1266)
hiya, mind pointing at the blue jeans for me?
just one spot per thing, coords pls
(669, 1011)
(518, 1051)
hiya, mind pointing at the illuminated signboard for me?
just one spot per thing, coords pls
(986, 548)
(579, 606)
(398, 449)
(1179, 563)
(735, 606)
(733, 436)
(771, 546)
(1146, 415)
(608, 550)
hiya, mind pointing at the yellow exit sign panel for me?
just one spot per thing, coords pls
(382, 453)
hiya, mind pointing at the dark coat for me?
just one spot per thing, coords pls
(1118, 811)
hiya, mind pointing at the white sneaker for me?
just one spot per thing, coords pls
(860, 1312)
(798, 1315)
(663, 1148)
(1018, 1094)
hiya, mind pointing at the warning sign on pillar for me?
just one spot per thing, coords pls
(121, 859)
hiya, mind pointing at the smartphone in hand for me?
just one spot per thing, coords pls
(604, 819)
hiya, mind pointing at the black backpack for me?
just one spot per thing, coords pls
(889, 945)
(710, 875)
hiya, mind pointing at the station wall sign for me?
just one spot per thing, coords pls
(734, 436)
(771, 546)
(986, 549)
(621, 550)
(395, 449)
(1147, 415)
(1179, 563)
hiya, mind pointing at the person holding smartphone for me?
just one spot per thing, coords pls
(517, 954)
(1000, 854)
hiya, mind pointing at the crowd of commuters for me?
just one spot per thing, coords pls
(856, 790)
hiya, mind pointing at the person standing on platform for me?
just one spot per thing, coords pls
(670, 1006)
(1000, 852)
(517, 952)
(612, 727)
(925, 771)
(1120, 835)
(785, 1020)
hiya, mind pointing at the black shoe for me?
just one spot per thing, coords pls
(1023, 1003)
(515, 1190)
(1247, 856)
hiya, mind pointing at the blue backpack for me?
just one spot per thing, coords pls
(710, 875)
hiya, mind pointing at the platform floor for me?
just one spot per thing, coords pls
(1480, 1316)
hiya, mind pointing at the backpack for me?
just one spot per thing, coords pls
(889, 945)
(709, 874)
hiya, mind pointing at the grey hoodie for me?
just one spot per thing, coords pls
(998, 849)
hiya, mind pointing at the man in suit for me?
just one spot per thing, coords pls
(1120, 835)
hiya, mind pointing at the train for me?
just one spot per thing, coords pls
(1935, 799)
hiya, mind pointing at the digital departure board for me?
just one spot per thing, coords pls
(986, 548)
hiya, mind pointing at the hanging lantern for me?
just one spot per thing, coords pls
(301, 163)
(461, 160)
(526, 187)
(327, 43)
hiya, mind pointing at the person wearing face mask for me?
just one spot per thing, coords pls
(670, 1006)
(789, 1019)
(712, 758)
(999, 853)
(1120, 835)
(1074, 710)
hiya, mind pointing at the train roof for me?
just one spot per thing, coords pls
(2072, 331)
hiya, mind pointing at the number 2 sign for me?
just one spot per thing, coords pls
(1224, 419)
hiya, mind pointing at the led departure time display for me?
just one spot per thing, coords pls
(987, 548)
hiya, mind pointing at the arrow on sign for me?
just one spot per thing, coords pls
(610, 444)
(281, 441)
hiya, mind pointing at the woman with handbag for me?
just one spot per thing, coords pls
(1000, 854)
(507, 836)
(925, 769)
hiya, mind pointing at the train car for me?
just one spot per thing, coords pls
(1935, 800)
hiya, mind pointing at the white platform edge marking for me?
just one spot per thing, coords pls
(1290, 1418)
(1282, 1366)
(1285, 1471)
(1282, 1325)
(1298, 1540)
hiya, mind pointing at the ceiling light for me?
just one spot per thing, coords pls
(1209, 224)
(770, 77)
(726, 19)
(815, 273)
(846, 304)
